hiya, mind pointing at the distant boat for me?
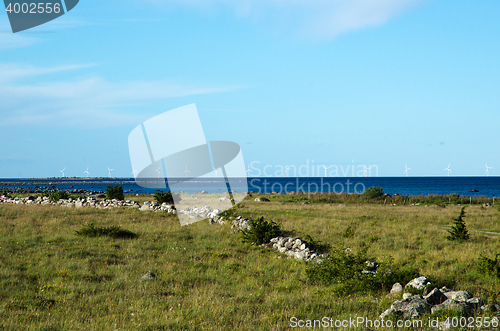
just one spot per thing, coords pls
(473, 191)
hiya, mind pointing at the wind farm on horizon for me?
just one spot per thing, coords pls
(365, 171)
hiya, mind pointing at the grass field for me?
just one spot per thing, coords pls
(207, 279)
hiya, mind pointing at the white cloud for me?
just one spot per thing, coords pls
(84, 102)
(316, 18)
(9, 40)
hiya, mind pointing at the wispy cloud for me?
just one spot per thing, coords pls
(8, 40)
(87, 102)
(11, 72)
(313, 18)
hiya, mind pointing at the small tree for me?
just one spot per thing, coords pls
(459, 231)
(115, 192)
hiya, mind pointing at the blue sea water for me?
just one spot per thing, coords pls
(411, 186)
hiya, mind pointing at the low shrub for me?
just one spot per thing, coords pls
(489, 266)
(374, 192)
(57, 195)
(344, 270)
(115, 192)
(260, 231)
(165, 197)
(113, 231)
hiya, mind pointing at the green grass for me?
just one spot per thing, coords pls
(207, 278)
(111, 231)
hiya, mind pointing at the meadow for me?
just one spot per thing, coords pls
(51, 278)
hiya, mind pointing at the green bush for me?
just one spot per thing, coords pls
(374, 192)
(489, 266)
(318, 246)
(459, 231)
(115, 192)
(343, 269)
(260, 231)
(57, 195)
(165, 197)
(98, 231)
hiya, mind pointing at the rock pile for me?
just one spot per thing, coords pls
(438, 299)
(216, 219)
(240, 223)
(90, 202)
(201, 213)
(156, 207)
(295, 247)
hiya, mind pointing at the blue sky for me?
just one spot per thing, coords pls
(384, 83)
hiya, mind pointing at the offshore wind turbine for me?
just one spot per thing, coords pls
(448, 169)
(215, 172)
(110, 170)
(87, 172)
(186, 171)
(248, 170)
(134, 172)
(62, 171)
(488, 170)
(326, 168)
(158, 171)
(406, 171)
(365, 172)
(286, 170)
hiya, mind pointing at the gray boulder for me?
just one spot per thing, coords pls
(371, 265)
(413, 306)
(262, 199)
(461, 307)
(419, 283)
(301, 255)
(435, 297)
(148, 276)
(458, 295)
(490, 308)
(444, 289)
(396, 289)
(476, 303)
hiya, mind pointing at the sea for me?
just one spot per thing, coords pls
(409, 186)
